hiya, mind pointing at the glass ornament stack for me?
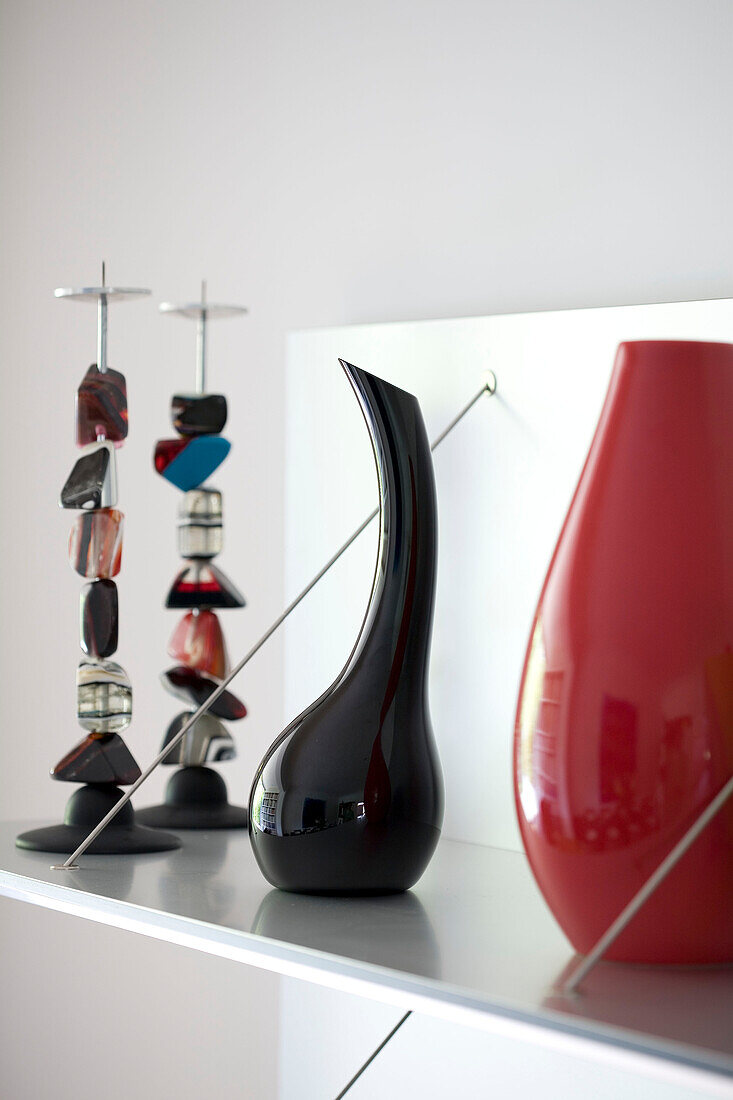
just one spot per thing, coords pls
(101, 761)
(196, 795)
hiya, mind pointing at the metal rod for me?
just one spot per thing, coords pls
(201, 344)
(102, 327)
(70, 863)
(488, 387)
(374, 1054)
(649, 887)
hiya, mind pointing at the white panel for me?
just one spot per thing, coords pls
(325, 1036)
(433, 1060)
(504, 478)
(89, 1012)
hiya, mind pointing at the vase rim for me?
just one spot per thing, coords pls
(676, 343)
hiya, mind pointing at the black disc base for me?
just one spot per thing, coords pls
(195, 798)
(85, 809)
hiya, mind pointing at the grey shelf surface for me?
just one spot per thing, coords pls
(472, 940)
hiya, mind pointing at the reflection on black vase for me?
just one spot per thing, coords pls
(349, 798)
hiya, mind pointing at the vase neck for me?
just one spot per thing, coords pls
(396, 634)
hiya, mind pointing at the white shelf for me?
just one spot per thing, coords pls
(473, 941)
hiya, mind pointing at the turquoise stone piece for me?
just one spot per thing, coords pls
(189, 465)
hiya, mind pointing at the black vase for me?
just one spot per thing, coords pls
(349, 798)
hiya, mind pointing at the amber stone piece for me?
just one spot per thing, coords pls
(203, 585)
(198, 642)
(99, 758)
(199, 413)
(98, 618)
(101, 406)
(192, 687)
(95, 543)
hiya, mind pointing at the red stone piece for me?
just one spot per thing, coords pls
(198, 642)
(166, 450)
(95, 543)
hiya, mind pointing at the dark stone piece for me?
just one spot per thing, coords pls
(101, 406)
(199, 413)
(195, 798)
(189, 685)
(93, 482)
(98, 618)
(85, 809)
(98, 758)
(203, 585)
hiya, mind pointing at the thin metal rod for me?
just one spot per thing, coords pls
(70, 863)
(201, 344)
(649, 887)
(488, 387)
(102, 327)
(374, 1054)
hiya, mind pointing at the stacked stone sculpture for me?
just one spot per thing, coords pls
(101, 761)
(196, 796)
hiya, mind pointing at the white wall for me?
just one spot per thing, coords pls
(325, 163)
(504, 480)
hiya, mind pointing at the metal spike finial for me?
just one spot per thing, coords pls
(202, 312)
(102, 295)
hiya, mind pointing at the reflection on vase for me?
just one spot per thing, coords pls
(206, 895)
(349, 799)
(400, 935)
(624, 729)
(655, 1000)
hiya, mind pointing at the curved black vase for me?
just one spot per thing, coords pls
(349, 798)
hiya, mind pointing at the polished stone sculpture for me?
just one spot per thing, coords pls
(196, 796)
(101, 761)
(349, 798)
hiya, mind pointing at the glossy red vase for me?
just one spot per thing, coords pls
(624, 729)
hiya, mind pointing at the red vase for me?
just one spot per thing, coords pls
(624, 729)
